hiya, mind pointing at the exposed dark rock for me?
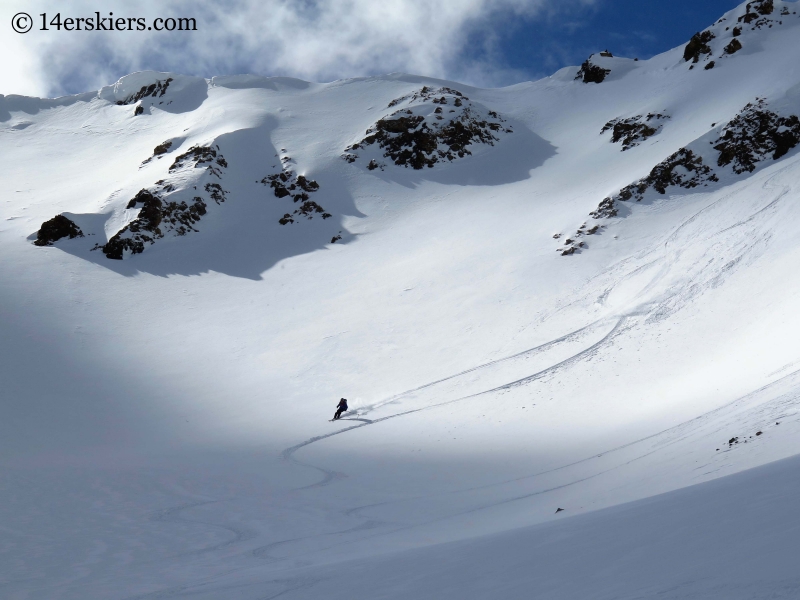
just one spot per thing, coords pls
(336, 238)
(285, 184)
(55, 229)
(418, 140)
(216, 192)
(162, 148)
(144, 228)
(558, 510)
(754, 135)
(605, 210)
(692, 173)
(155, 217)
(428, 93)
(591, 73)
(633, 130)
(697, 46)
(201, 155)
(138, 110)
(666, 174)
(756, 14)
(733, 47)
(710, 66)
(154, 90)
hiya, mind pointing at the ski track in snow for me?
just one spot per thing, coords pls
(689, 294)
(659, 441)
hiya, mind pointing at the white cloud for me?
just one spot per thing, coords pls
(318, 40)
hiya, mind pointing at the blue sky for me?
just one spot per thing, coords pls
(480, 42)
(537, 47)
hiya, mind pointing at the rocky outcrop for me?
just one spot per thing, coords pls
(591, 73)
(755, 135)
(733, 47)
(159, 151)
(437, 124)
(698, 46)
(632, 131)
(165, 210)
(288, 184)
(201, 155)
(55, 229)
(154, 90)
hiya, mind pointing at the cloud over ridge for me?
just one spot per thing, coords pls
(317, 40)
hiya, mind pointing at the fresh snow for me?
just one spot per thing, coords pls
(164, 429)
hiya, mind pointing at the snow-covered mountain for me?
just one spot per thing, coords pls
(553, 308)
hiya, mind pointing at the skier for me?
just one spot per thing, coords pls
(342, 407)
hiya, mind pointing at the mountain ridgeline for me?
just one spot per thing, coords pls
(433, 128)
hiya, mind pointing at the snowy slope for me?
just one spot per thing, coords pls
(247, 250)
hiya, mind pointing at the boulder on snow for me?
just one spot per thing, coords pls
(733, 47)
(55, 229)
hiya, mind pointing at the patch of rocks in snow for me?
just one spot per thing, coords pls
(154, 90)
(288, 184)
(754, 136)
(634, 130)
(162, 211)
(434, 125)
(761, 14)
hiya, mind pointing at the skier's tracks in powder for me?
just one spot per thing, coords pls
(330, 476)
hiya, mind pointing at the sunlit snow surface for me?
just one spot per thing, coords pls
(164, 423)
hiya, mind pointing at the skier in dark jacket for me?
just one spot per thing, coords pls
(342, 407)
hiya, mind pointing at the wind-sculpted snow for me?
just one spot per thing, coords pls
(436, 124)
